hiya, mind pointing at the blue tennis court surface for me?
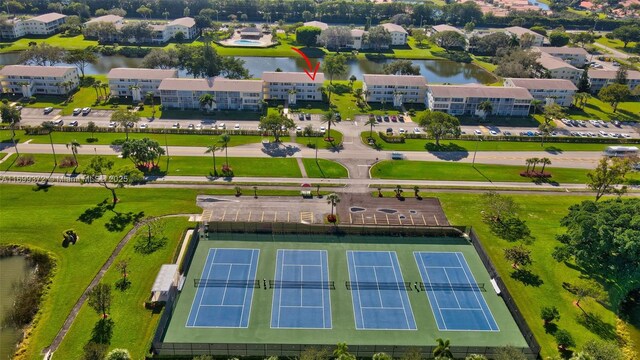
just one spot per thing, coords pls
(301, 293)
(224, 299)
(453, 293)
(380, 300)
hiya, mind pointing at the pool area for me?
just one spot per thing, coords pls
(237, 41)
(246, 42)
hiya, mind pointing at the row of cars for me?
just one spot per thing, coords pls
(387, 118)
(594, 123)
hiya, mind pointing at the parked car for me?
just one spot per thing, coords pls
(416, 130)
(507, 133)
(77, 111)
(19, 107)
(176, 126)
(477, 132)
(338, 117)
(198, 126)
(389, 130)
(191, 127)
(143, 126)
(617, 123)
(493, 132)
(236, 127)
(401, 131)
(386, 118)
(401, 118)
(58, 122)
(86, 111)
(307, 116)
(322, 129)
(394, 118)
(48, 110)
(301, 116)
(74, 123)
(221, 126)
(378, 118)
(113, 124)
(298, 128)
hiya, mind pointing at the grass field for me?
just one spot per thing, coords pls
(616, 44)
(84, 138)
(324, 169)
(425, 170)
(596, 109)
(74, 42)
(177, 165)
(470, 145)
(321, 143)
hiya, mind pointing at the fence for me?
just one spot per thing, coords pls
(504, 293)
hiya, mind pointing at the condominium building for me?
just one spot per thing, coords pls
(160, 32)
(39, 80)
(125, 82)
(292, 86)
(575, 56)
(465, 99)
(358, 37)
(398, 34)
(110, 18)
(557, 68)
(549, 91)
(185, 25)
(45, 24)
(443, 27)
(602, 78)
(520, 31)
(227, 94)
(394, 89)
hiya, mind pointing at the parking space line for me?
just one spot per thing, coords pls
(275, 216)
(411, 217)
(262, 217)
(387, 216)
(249, 216)
(224, 214)
(375, 219)
(237, 212)
(423, 219)
(436, 219)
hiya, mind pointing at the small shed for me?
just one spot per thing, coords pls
(166, 280)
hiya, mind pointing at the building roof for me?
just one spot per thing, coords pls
(357, 32)
(139, 73)
(546, 84)
(318, 24)
(551, 62)
(211, 84)
(611, 74)
(408, 80)
(394, 28)
(251, 30)
(165, 278)
(32, 70)
(49, 17)
(450, 91)
(291, 77)
(444, 27)
(183, 21)
(106, 18)
(519, 31)
(563, 50)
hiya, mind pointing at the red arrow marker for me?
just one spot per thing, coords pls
(312, 77)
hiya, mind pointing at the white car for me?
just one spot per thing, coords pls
(493, 132)
(176, 126)
(198, 126)
(86, 111)
(477, 132)
(298, 128)
(401, 131)
(322, 129)
(143, 126)
(113, 124)
(47, 110)
(416, 130)
(221, 126)
(77, 111)
(236, 127)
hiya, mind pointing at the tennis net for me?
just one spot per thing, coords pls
(226, 283)
(452, 286)
(373, 285)
(282, 284)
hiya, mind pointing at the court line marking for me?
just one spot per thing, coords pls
(402, 298)
(458, 254)
(246, 290)
(418, 254)
(452, 291)
(352, 264)
(203, 290)
(375, 275)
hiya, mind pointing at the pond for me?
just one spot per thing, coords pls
(539, 4)
(12, 270)
(435, 71)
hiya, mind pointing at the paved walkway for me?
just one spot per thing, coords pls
(49, 351)
(614, 52)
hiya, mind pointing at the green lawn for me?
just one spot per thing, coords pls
(542, 216)
(323, 168)
(134, 325)
(596, 109)
(471, 145)
(616, 44)
(447, 171)
(415, 51)
(74, 42)
(177, 165)
(319, 140)
(84, 138)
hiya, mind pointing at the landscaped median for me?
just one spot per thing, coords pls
(448, 171)
(193, 166)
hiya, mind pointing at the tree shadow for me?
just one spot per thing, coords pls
(450, 151)
(550, 328)
(527, 278)
(320, 169)
(594, 323)
(93, 213)
(553, 150)
(102, 331)
(335, 148)
(275, 150)
(121, 220)
(148, 245)
(542, 180)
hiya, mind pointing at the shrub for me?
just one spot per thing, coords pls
(564, 339)
(94, 351)
(25, 160)
(227, 171)
(68, 161)
(331, 218)
(118, 354)
(549, 314)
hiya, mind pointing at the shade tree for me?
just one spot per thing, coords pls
(439, 124)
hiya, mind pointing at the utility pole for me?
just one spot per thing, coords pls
(473, 163)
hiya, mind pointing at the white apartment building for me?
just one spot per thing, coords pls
(394, 89)
(549, 91)
(292, 86)
(575, 56)
(601, 78)
(39, 80)
(45, 24)
(114, 19)
(443, 27)
(556, 68)
(357, 38)
(464, 99)
(136, 83)
(185, 25)
(228, 94)
(519, 31)
(398, 34)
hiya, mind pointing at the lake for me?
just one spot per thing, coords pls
(435, 71)
(12, 269)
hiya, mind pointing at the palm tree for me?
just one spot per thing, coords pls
(212, 149)
(443, 349)
(486, 107)
(74, 145)
(398, 190)
(225, 139)
(536, 105)
(107, 92)
(95, 87)
(328, 118)
(98, 86)
(12, 126)
(48, 126)
(528, 162)
(534, 161)
(149, 96)
(416, 191)
(328, 90)
(206, 101)
(544, 161)
(333, 199)
(352, 79)
(371, 122)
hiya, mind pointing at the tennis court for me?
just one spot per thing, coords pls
(301, 290)
(378, 291)
(455, 297)
(225, 289)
